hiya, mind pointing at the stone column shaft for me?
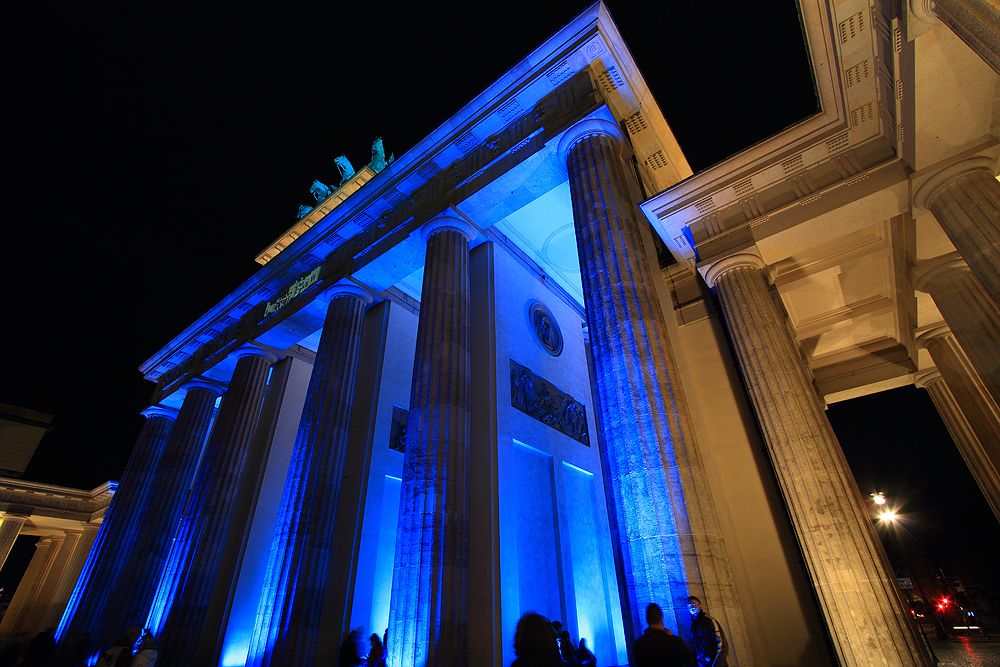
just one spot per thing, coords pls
(664, 523)
(118, 528)
(289, 616)
(218, 482)
(975, 22)
(972, 316)
(10, 528)
(430, 585)
(74, 565)
(45, 604)
(983, 460)
(17, 614)
(965, 199)
(977, 406)
(855, 587)
(132, 594)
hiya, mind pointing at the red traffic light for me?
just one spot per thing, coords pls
(943, 603)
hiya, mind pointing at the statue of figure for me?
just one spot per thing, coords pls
(378, 162)
(344, 167)
(304, 210)
(574, 420)
(320, 191)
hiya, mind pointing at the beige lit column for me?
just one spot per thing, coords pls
(965, 199)
(18, 613)
(45, 604)
(10, 528)
(976, 22)
(430, 586)
(983, 459)
(980, 410)
(970, 313)
(855, 587)
(81, 545)
(669, 542)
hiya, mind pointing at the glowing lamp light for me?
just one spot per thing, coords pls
(887, 516)
(878, 497)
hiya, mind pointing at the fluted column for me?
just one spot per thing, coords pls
(15, 619)
(978, 407)
(970, 313)
(965, 199)
(973, 21)
(982, 457)
(44, 606)
(289, 615)
(10, 528)
(856, 590)
(83, 540)
(430, 585)
(86, 606)
(132, 593)
(216, 487)
(664, 521)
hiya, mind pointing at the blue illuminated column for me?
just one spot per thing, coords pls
(289, 615)
(129, 595)
(116, 536)
(669, 543)
(856, 590)
(217, 485)
(430, 585)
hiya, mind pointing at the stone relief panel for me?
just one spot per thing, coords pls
(545, 328)
(537, 397)
(397, 433)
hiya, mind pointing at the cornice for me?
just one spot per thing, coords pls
(855, 130)
(584, 65)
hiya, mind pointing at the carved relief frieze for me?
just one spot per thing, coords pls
(538, 398)
(397, 432)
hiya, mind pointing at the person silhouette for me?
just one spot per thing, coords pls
(584, 657)
(658, 647)
(709, 641)
(535, 642)
(376, 654)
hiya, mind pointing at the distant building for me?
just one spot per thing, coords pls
(65, 522)
(21, 430)
(468, 390)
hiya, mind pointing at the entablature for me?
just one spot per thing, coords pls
(582, 69)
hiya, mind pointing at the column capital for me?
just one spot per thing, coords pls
(251, 350)
(923, 379)
(159, 411)
(590, 127)
(345, 287)
(448, 223)
(208, 385)
(924, 194)
(924, 10)
(929, 335)
(712, 272)
(927, 274)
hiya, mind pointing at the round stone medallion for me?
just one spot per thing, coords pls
(545, 328)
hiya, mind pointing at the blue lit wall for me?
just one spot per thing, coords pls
(554, 542)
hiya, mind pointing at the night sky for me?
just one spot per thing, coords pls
(156, 151)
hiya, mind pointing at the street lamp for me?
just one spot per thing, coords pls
(885, 513)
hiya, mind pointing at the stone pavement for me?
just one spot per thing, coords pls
(968, 652)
